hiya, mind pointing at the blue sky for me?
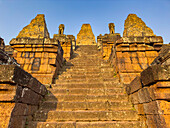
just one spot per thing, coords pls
(16, 14)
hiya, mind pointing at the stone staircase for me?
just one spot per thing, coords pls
(87, 94)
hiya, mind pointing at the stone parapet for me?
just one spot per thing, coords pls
(150, 92)
(41, 57)
(20, 96)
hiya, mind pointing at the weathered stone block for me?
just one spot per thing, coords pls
(134, 98)
(17, 122)
(144, 96)
(135, 85)
(35, 85)
(155, 121)
(20, 109)
(155, 73)
(140, 109)
(151, 108)
(27, 96)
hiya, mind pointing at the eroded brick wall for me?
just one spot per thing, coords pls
(150, 91)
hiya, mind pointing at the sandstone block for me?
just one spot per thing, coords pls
(151, 108)
(25, 95)
(154, 121)
(17, 122)
(144, 95)
(134, 98)
(155, 73)
(135, 85)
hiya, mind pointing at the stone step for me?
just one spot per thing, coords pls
(86, 98)
(85, 91)
(84, 80)
(109, 77)
(51, 105)
(79, 76)
(78, 72)
(81, 70)
(83, 67)
(88, 74)
(84, 63)
(106, 85)
(92, 68)
(96, 124)
(95, 56)
(82, 115)
(104, 74)
(79, 63)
